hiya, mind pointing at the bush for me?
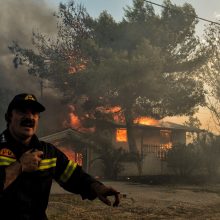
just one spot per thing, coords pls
(183, 159)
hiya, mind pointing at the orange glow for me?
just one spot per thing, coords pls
(73, 66)
(71, 155)
(73, 69)
(166, 146)
(121, 135)
(114, 109)
(145, 121)
(74, 121)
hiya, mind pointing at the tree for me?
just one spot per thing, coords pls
(149, 67)
(141, 64)
(56, 57)
(194, 123)
(210, 73)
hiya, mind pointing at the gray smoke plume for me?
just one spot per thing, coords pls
(18, 20)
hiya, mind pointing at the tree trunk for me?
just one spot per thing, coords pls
(132, 142)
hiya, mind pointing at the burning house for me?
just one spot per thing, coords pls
(153, 139)
(69, 142)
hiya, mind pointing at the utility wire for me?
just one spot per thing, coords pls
(203, 19)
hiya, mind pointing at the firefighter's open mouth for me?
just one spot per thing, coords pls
(27, 123)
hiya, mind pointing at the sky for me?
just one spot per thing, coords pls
(209, 9)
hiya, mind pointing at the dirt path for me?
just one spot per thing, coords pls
(141, 202)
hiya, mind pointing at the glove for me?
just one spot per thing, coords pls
(102, 192)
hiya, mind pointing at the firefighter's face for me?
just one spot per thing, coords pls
(23, 123)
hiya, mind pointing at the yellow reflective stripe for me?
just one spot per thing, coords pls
(48, 160)
(5, 161)
(71, 166)
(47, 163)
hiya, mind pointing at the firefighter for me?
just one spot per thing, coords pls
(28, 166)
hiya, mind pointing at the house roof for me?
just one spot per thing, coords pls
(161, 125)
(173, 126)
(69, 132)
(76, 135)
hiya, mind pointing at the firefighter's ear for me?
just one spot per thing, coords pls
(7, 118)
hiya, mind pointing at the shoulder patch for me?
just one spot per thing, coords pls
(7, 153)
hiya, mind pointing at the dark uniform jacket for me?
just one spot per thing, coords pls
(27, 197)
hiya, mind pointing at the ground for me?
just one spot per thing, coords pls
(139, 202)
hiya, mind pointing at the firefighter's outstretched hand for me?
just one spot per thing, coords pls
(103, 192)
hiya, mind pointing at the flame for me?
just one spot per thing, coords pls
(116, 112)
(73, 67)
(146, 121)
(71, 155)
(74, 121)
(167, 146)
(121, 135)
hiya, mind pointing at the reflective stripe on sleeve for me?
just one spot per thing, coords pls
(71, 166)
(5, 161)
(47, 163)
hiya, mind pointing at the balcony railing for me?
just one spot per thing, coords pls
(159, 150)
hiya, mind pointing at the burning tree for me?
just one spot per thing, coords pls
(143, 64)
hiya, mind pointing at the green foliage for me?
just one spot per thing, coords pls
(210, 72)
(193, 122)
(110, 156)
(203, 156)
(210, 152)
(183, 159)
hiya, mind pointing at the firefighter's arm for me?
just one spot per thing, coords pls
(75, 180)
(28, 162)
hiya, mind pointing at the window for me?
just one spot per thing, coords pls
(121, 135)
(165, 136)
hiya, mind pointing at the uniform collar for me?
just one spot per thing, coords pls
(17, 147)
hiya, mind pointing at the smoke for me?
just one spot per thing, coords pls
(18, 20)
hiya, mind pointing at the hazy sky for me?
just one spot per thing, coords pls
(209, 9)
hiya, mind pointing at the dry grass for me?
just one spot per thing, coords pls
(142, 202)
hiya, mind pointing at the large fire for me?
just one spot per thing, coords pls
(74, 122)
(146, 121)
(121, 133)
